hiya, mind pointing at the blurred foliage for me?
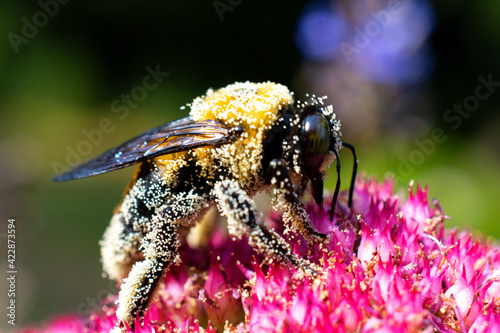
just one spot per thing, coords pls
(65, 79)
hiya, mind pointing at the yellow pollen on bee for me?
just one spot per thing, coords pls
(254, 107)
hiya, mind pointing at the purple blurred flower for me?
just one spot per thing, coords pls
(390, 267)
(384, 41)
(320, 32)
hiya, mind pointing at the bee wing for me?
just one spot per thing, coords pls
(180, 135)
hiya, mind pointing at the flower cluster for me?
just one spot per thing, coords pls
(389, 267)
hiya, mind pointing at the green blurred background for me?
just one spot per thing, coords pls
(62, 79)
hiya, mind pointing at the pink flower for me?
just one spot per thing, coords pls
(389, 266)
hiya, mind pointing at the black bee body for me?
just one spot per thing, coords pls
(238, 140)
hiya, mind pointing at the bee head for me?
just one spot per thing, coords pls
(320, 142)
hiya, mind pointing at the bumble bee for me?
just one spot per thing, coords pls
(238, 140)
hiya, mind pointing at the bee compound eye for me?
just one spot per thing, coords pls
(316, 133)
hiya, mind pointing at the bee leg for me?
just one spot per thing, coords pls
(354, 171)
(243, 219)
(119, 248)
(294, 213)
(159, 247)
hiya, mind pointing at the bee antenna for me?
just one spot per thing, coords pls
(354, 171)
(337, 187)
